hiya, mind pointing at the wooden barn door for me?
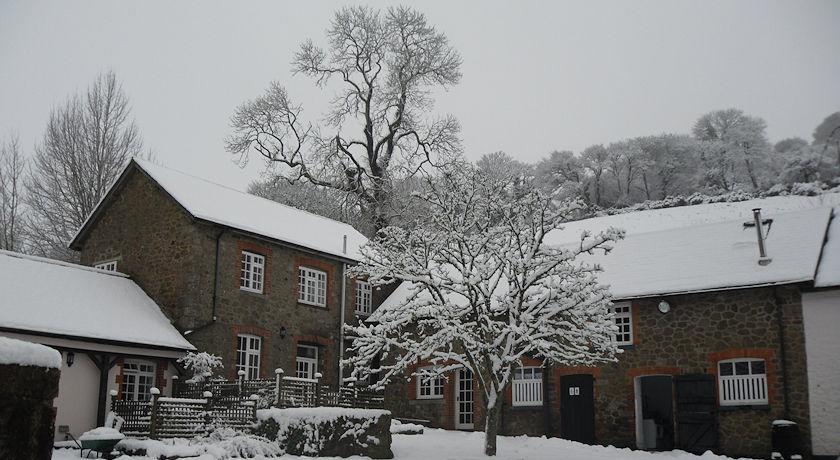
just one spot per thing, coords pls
(697, 423)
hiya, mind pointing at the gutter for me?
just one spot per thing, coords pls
(80, 338)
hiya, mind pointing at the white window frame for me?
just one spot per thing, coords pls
(364, 298)
(623, 319)
(252, 272)
(527, 386)
(137, 378)
(748, 389)
(429, 387)
(110, 266)
(248, 355)
(312, 286)
(305, 367)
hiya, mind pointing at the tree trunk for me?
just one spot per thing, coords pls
(492, 421)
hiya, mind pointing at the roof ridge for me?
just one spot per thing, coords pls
(46, 260)
(251, 195)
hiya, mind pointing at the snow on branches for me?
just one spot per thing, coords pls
(201, 364)
(484, 290)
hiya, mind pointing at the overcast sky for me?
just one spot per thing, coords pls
(538, 76)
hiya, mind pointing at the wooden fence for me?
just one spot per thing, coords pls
(198, 406)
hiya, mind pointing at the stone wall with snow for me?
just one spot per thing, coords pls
(29, 375)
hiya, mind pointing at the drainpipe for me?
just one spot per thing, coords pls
(215, 299)
(343, 309)
(782, 352)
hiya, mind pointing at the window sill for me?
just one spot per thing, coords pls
(252, 292)
(526, 408)
(430, 398)
(760, 407)
(311, 304)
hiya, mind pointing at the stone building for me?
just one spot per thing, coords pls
(713, 335)
(258, 283)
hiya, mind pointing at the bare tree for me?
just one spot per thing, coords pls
(11, 191)
(377, 127)
(87, 142)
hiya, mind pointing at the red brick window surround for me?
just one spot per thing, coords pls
(623, 319)
(253, 267)
(238, 332)
(745, 376)
(303, 355)
(312, 266)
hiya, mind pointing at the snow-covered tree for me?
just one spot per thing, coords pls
(378, 128)
(201, 364)
(827, 135)
(485, 289)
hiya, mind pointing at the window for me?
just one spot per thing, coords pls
(624, 321)
(312, 287)
(306, 363)
(138, 379)
(527, 386)
(248, 349)
(363, 298)
(429, 386)
(110, 266)
(742, 381)
(251, 274)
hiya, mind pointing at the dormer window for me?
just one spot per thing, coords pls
(110, 266)
(251, 273)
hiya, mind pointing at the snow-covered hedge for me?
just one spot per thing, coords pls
(328, 431)
(13, 351)
(221, 444)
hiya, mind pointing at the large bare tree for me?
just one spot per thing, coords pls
(87, 142)
(385, 64)
(11, 193)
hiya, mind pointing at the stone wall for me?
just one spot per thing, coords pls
(27, 414)
(173, 258)
(700, 330)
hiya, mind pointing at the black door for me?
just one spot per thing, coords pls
(657, 412)
(577, 408)
(697, 424)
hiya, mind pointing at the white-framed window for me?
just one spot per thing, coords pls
(429, 387)
(110, 266)
(527, 389)
(623, 319)
(248, 350)
(251, 273)
(742, 381)
(306, 362)
(138, 379)
(364, 298)
(312, 286)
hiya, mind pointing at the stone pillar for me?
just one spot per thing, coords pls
(27, 415)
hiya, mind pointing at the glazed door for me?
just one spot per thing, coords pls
(577, 408)
(464, 401)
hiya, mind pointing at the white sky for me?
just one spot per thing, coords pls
(538, 76)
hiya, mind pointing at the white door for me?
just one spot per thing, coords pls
(464, 401)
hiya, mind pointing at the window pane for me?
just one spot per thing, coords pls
(742, 368)
(725, 368)
(757, 367)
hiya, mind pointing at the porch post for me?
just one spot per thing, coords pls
(104, 362)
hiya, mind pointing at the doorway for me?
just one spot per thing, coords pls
(464, 400)
(577, 408)
(654, 396)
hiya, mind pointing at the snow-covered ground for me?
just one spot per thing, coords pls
(445, 445)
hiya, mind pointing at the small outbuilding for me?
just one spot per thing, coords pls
(110, 334)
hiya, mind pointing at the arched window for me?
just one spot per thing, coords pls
(742, 382)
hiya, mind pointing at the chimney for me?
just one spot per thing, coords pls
(762, 251)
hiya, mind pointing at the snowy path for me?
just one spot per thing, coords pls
(446, 445)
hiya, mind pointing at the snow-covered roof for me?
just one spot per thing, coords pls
(233, 208)
(706, 247)
(22, 353)
(828, 274)
(58, 298)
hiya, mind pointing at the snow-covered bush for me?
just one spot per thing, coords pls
(221, 444)
(202, 365)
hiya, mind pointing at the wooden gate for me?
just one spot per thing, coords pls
(697, 422)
